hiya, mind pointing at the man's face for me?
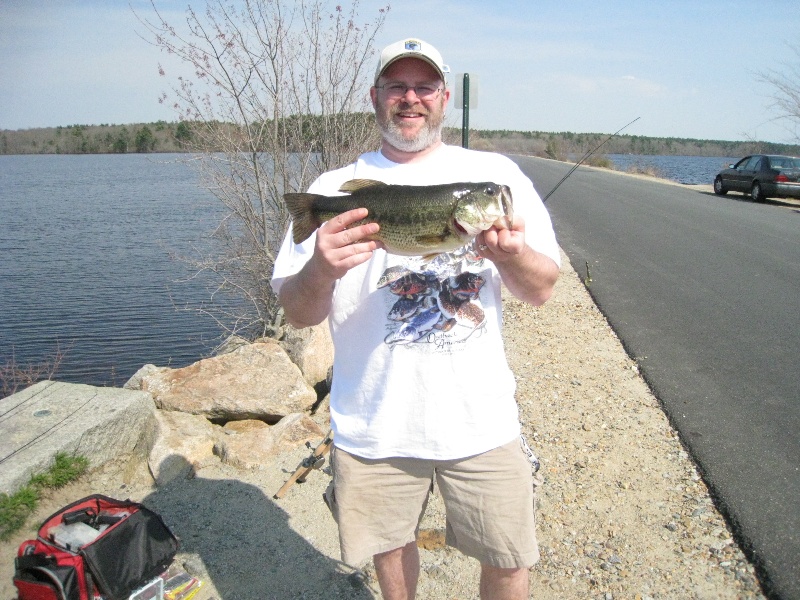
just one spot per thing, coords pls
(409, 123)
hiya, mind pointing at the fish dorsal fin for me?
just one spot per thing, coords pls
(355, 185)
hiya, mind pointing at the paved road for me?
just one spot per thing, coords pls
(704, 292)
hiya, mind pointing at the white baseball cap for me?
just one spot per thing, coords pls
(411, 48)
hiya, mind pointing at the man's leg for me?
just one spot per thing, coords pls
(503, 584)
(490, 516)
(398, 572)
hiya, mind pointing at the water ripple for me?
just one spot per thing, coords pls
(85, 245)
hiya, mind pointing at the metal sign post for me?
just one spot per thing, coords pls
(466, 97)
(465, 116)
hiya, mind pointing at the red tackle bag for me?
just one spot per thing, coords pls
(95, 547)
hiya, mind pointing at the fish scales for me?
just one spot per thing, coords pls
(414, 220)
(402, 217)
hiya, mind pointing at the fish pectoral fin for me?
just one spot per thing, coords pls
(431, 239)
(355, 185)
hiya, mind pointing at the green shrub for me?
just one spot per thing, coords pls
(599, 160)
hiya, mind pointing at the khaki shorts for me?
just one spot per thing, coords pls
(489, 499)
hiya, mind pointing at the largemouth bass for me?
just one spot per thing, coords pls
(414, 220)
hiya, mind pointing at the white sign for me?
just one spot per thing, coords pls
(458, 100)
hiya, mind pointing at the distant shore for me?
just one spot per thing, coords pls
(163, 136)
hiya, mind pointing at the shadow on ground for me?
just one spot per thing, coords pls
(245, 544)
(737, 196)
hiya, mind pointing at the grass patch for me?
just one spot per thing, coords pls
(16, 508)
(648, 170)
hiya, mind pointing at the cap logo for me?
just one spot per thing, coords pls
(413, 46)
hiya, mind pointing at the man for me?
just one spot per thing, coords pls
(438, 405)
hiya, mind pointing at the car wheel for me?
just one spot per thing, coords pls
(719, 187)
(756, 193)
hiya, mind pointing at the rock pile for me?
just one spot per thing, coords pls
(243, 406)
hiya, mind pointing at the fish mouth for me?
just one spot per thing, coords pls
(467, 231)
(460, 229)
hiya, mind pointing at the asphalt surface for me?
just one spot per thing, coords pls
(704, 292)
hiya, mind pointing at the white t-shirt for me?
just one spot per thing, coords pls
(419, 366)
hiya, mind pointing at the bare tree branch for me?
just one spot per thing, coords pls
(15, 376)
(279, 94)
(785, 84)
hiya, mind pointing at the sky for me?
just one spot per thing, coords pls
(686, 69)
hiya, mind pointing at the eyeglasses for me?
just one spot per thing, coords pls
(398, 90)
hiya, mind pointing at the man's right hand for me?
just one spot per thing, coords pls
(307, 296)
(339, 248)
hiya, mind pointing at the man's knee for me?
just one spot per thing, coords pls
(395, 553)
(503, 584)
(503, 573)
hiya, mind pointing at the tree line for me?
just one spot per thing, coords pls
(178, 137)
(566, 145)
(96, 139)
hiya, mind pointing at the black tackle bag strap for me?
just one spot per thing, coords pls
(34, 561)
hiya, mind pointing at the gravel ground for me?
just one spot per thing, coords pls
(622, 511)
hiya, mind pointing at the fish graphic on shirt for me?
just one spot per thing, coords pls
(433, 302)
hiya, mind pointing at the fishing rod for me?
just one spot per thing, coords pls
(585, 156)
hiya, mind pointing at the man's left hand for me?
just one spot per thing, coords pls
(499, 244)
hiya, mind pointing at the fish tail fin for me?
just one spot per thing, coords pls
(304, 219)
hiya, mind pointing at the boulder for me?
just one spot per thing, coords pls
(311, 349)
(245, 444)
(135, 382)
(295, 430)
(256, 381)
(183, 444)
(101, 423)
(252, 444)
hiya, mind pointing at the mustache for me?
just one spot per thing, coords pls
(408, 106)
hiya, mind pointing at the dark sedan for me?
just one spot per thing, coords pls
(761, 176)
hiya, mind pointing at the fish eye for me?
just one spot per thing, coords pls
(490, 190)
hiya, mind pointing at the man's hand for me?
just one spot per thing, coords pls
(500, 244)
(338, 249)
(528, 274)
(307, 296)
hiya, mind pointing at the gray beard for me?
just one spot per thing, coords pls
(393, 135)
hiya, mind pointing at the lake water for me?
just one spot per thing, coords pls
(85, 259)
(683, 169)
(85, 265)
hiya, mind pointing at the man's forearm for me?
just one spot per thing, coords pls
(305, 301)
(530, 276)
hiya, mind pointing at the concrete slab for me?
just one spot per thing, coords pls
(100, 423)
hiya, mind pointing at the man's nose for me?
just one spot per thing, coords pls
(411, 90)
